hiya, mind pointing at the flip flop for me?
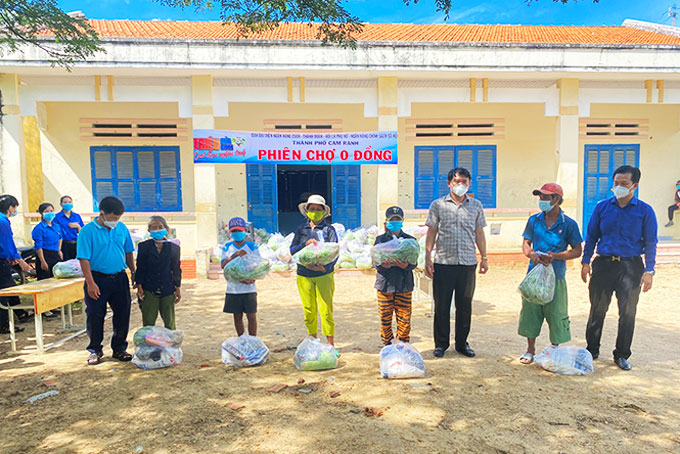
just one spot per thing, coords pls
(526, 358)
(337, 353)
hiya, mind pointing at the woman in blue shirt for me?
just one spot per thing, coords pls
(47, 242)
(70, 223)
(9, 256)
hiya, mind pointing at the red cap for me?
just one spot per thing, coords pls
(550, 189)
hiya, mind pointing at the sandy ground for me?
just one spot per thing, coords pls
(491, 403)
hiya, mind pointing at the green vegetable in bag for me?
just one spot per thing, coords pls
(538, 286)
(246, 268)
(317, 254)
(397, 249)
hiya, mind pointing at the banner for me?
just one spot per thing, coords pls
(238, 147)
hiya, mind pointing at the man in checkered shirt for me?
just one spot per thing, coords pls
(455, 225)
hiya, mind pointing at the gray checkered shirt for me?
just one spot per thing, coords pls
(455, 243)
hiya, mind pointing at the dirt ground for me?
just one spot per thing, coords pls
(490, 403)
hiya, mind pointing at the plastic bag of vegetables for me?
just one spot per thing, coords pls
(538, 286)
(398, 249)
(246, 268)
(67, 269)
(317, 254)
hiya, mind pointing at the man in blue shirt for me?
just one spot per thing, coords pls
(547, 239)
(9, 256)
(70, 223)
(623, 228)
(105, 249)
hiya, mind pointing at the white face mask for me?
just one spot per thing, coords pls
(110, 224)
(620, 191)
(460, 190)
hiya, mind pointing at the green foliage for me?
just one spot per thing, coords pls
(32, 21)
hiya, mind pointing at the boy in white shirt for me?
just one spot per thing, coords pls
(241, 296)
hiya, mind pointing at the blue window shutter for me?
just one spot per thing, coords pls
(485, 176)
(170, 184)
(465, 158)
(346, 208)
(102, 175)
(445, 162)
(262, 201)
(144, 178)
(426, 176)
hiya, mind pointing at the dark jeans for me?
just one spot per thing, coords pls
(622, 277)
(114, 290)
(447, 281)
(7, 281)
(52, 258)
(69, 250)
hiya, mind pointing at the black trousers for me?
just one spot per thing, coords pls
(7, 281)
(622, 277)
(450, 280)
(68, 250)
(52, 258)
(115, 290)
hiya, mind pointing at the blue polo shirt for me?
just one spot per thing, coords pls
(104, 248)
(563, 233)
(624, 232)
(8, 250)
(63, 221)
(46, 236)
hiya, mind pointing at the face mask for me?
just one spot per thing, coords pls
(13, 213)
(620, 192)
(545, 205)
(460, 190)
(158, 234)
(394, 226)
(315, 216)
(678, 186)
(238, 236)
(67, 207)
(49, 216)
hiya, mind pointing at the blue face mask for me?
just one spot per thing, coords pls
(49, 216)
(158, 234)
(67, 207)
(678, 186)
(238, 236)
(545, 205)
(394, 226)
(13, 213)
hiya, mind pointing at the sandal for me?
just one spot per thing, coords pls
(526, 358)
(17, 329)
(94, 359)
(26, 317)
(49, 314)
(122, 356)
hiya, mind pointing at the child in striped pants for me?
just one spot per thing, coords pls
(394, 283)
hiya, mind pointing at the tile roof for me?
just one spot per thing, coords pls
(562, 35)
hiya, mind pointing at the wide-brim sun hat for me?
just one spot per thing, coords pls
(315, 199)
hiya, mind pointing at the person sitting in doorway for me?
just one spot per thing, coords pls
(675, 206)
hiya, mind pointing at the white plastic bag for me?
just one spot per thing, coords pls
(157, 347)
(566, 360)
(67, 269)
(312, 354)
(244, 351)
(538, 286)
(148, 357)
(401, 360)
